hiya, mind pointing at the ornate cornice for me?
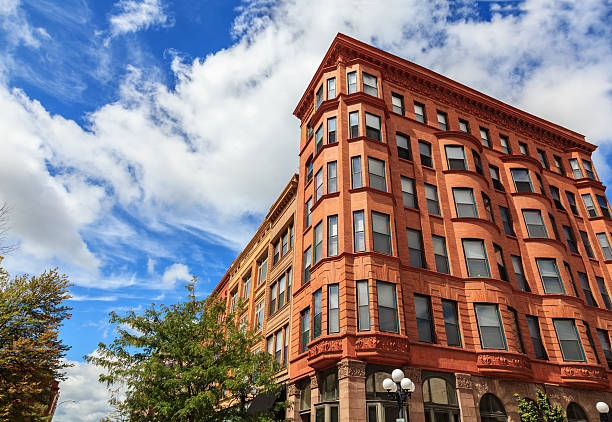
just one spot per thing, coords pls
(502, 363)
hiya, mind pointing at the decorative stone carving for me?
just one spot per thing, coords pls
(414, 374)
(584, 372)
(351, 368)
(503, 361)
(325, 346)
(314, 382)
(463, 381)
(292, 390)
(382, 343)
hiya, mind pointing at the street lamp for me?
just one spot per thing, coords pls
(603, 410)
(401, 387)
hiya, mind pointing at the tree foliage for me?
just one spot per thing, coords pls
(185, 362)
(540, 410)
(31, 354)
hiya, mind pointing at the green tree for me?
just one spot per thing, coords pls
(31, 354)
(189, 361)
(540, 410)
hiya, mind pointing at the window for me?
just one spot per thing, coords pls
(387, 307)
(318, 242)
(318, 185)
(308, 213)
(351, 79)
(543, 159)
(381, 233)
(408, 192)
(604, 292)
(370, 85)
(575, 413)
(305, 333)
(288, 284)
(273, 294)
(332, 177)
(354, 124)
(262, 269)
(317, 313)
(549, 273)
(553, 223)
(455, 157)
(419, 112)
(442, 120)
(332, 235)
(588, 168)
(363, 306)
(569, 341)
(559, 164)
(282, 285)
(331, 130)
(451, 323)
(587, 244)
(603, 205)
(356, 172)
(517, 327)
(319, 138)
(491, 409)
(586, 289)
(484, 136)
(415, 248)
(372, 126)
(542, 191)
(403, 146)
(319, 96)
(398, 103)
(571, 240)
(331, 88)
(554, 192)
(359, 231)
(490, 326)
(376, 172)
(604, 340)
(536, 337)
(506, 220)
(307, 263)
(590, 206)
(333, 309)
(309, 169)
(523, 148)
(476, 258)
(535, 223)
(234, 300)
(488, 208)
(278, 350)
(519, 273)
(605, 245)
(286, 348)
(425, 152)
(501, 264)
(424, 319)
(309, 130)
(431, 194)
(505, 144)
(440, 254)
(477, 163)
(439, 399)
(464, 126)
(522, 181)
(571, 199)
(576, 170)
(259, 309)
(465, 204)
(277, 252)
(285, 241)
(246, 291)
(591, 342)
(497, 184)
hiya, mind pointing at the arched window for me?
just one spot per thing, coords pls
(440, 400)
(491, 409)
(380, 407)
(575, 413)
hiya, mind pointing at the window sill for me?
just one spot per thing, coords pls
(369, 189)
(436, 217)
(412, 209)
(405, 160)
(503, 192)
(307, 229)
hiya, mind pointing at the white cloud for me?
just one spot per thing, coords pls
(134, 15)
(151, 266)
(174, 273)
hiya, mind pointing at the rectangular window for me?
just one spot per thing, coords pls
(286, 348)
(288, 284)
(455, 157)
(273, 293)
(333, 309)
(351, 79)
(285, 243)
(523, 148)
(536, 337)
(569, 341)
(332, 235)
(487, 206)
(554, 192)
(494, 172)
(278, 350)
(387, 307)
(234, 300)
(259, 308)
(376, 172)
(305, 332)
(317, 313)
(318, 242)
(246, 292)
(590, 206)
(501, 264)
(381, 233)
(332, 177)
(464, 126)
(553, 223)
(319, 138)
(535, 223)
(403, 146)
(506, 220)
(571, 240)
(559, 164)
(476, 258)
(451, 323)
(604, 292)
(490, 326)
(591, 342)
(318, 185)
(465, 204)
(542, 191)
(359, 231)
(415, 248)
(262, 270)
(424, 319)
(356, 181)
(442, 120)
(307, 263)
(517, 327)
(604, 340)
(282, 285)
(354, 124)
(440, 254)
(370, 85)
(425, 153)
(484, 137)
(543, 159)
(398, 103)
(603, 205)
(308, 213)
(319, 96)
(549, 273)
(431, 194)
(477, 163)
(505, 144)
(576, 170)
(363, 306)
(372, 126)
(519, 273)
(331, 130)
(419, 112)
(605, 245)
(586, 289)
(277, 252)
(571, 277)
(571, 200)
(522, 181)
(331, 88)
(587, 244)
(588, 168)
(310, 130)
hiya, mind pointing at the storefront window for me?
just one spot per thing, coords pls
(440, 399)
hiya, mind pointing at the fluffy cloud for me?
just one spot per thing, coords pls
(174, 273)
(133, 15)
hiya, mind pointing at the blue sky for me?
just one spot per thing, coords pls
(137, 134)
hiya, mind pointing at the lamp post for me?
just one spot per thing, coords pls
(401, 387)
(603, 410)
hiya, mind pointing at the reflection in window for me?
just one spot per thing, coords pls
(491, 409)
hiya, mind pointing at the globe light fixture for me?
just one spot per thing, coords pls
(397, 375)
(400, 388)
(603, 410)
